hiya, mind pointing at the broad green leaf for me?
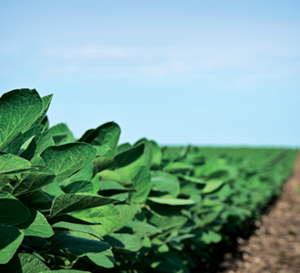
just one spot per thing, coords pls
(107, 216)
(37, 161)
(104, 259)
(212, 216)
(10, 163)
(27, 263)
(46, 103)
(123, 147)
(147, 154)
(129, 156)
(61, 133)
(127, 213)
(15, 145)
(165, 182)
(113, 190)
(165, 223)
(101, 163)
(108, 175)
(142, 185)
(123, 241)
(32, 181)
(17, 109)
(142, 229)
(102, 150)
(171, 201)
(37, 200)
(70, 202)
(77, 245)
(66, 159)
(211, 237)
(212, 185)
(36, 225)
(192, 179)
(79, 186)
(12, 211)
(156, 154)
(129, 163)
(107, 134)
(178, 167)
(84, 174)
(76, 227)
(79, 182)
(10, 239)
(5, 179)
(53, 190)
(40, 142)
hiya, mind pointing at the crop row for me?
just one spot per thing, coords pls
(93, 205)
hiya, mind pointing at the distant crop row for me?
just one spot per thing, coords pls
(93, 205)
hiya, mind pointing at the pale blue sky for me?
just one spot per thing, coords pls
(202, 72)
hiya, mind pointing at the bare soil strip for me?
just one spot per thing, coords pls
(275, 246)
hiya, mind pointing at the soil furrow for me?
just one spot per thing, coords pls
(275, 246)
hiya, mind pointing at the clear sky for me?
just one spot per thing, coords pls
(212, 72)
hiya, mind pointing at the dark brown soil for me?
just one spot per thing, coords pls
(275, 245)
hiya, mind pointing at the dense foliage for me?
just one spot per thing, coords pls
(92, 205)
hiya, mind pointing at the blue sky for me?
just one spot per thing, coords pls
(179, 72)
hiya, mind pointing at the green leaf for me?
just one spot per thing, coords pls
(142, 185)
(142, 229)
(10, 163)
(40, 142)
(165, 182)
(66, 159)
(37, 199)
(107, 216)
(46, 103)
(5, 179)
(192, 179)
(211, 237)
(212, 185)
(129, 163)
(17, 109)
(101, 163)
(123, 241)
(147, 154)
(107, 134)
(27, 263)
(10, 239)
(156, 154)
(12, 211)
(102, 150)
(77, 245)
(129, 156)
(76, 227)
(123, 147)
(171, 201)
(70, 202)
(105, 259)
(32, 181)
(113, 190)
(165, 223)
(15, 145)
(61, 133)
(36, 225)
(79, 186)
(127, 213)
(53, 190)
(178, 167)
